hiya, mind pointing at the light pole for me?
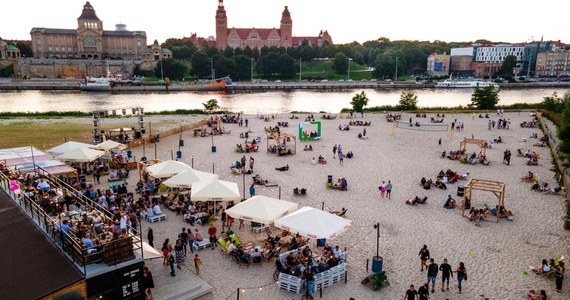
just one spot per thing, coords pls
(300, 70)
(349, 60)
(396, 79)
(212, 67)
(251, 69)
(161, 71)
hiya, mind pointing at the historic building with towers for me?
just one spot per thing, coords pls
(259, 37)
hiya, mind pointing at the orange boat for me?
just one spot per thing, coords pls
(220, 82)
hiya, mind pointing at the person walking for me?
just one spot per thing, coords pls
(243, 161)
(150, 237)
(179, 252)
(461, 275)
(364, 132)
(223, 220)
(246, 122)
(559, 276)
(148, 283)
(339, 149)
(184, 237)
(389, 189)
(251, 162)
(340, 158)
(197, 263)
(411, 293)
(252, 190)
(383, 189)
(432, 274)
(97, 175)
(424, 256)
(334, 151)
(212, 232)
(165, 251)
(446, 273)
(191, 240)
(309, 278)
(171, 260)
(423, 292)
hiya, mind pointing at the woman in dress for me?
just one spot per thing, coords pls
(148, 283)
(461, 275)
(179, 248)
(559, 276)
(165, 251)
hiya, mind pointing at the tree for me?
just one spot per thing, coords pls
(555, 103)
(229, 52)
(359, 101)
(242, 70)
(211, 106)
(564, 133)
(484, 98)
(7, 71)
(287, 68)
(408, 101)
(340, 63)
(223, 65)
(200, 65)
(508, 64)
(170, 69)
(248, 52)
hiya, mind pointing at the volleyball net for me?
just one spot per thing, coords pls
(422, 126)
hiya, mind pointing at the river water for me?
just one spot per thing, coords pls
(251, 103)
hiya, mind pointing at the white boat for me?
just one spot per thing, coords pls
(450, 83)
(100, 83)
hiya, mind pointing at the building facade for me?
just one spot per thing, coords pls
(553, 63)
(438, 64)
(89, 40)
(497, 53)
(8, 51)
(260, 37)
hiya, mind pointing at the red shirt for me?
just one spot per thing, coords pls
(212, 231)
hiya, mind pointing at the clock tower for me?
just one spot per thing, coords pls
(89, 33)
(221, 26)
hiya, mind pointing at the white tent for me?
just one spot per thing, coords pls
(149, 252)
(261, 209)
(110, 144)
(67, 146)
(313, 223)
(187, 178)
(215, 190)
(167, 169)
(81, 155)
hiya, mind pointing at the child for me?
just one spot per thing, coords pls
(197, 263)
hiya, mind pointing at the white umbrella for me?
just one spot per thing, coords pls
(215, 190)
(313, 223)
(187, 178)
(81, 155)
(110, 144)
(67, 146)
(261, 209)
(167, 169)
(149, 252)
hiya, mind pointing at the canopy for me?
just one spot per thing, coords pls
(81, 155)
(313, 223)
(149, 252)
(262, 209)
(67, 146)
(110, 144)
(187, 178)
(215, 190)
(167, 169)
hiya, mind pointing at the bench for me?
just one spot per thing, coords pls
(203, 244)
(258, 227)
(290, 283)
(156, 218)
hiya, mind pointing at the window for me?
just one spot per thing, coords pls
(49, 48)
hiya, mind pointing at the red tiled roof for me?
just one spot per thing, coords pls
(244, 32)
(298, 40)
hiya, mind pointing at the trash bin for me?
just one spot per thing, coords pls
(377, 264)
(460, 191)
(178, 154)
(213, 149)
(321, 242)
(181, 143)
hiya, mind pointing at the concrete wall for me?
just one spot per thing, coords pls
(76, 68)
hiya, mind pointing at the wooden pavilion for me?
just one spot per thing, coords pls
(481, 143)
(495, 187)
(280, 140)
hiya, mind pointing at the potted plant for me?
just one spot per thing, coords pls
(566, 217)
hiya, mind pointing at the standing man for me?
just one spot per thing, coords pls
(246, 122)
(364, 132)
(212, 232)
(432, 274)
(184, 237)
(251, 162)
(411, 294)
(252, 190)
(157, 136)
(223, 220)
(243, 161)
(446, 273)
(191, 240)
(340, 158)
(309, 279)
(339, 149)
(423, 292)
(424, 256)
(389, 189)
(334, 151)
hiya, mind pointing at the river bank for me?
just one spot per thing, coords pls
(245, 87)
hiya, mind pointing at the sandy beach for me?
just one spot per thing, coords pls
(496, 255)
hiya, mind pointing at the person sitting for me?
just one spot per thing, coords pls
(421, 200)
(322, 160)
(529, 177)
(450, 203)
(423, 181)
(532, 161)
(307, 253)
(427, 184)
(313, 161)
(306, 148)
(284, 168)
(483, 160)
(257, 179)
(498, 140)
(553, 190)
(156, 210)
(544, 268)
(440, 184)
(412, 201)
(256, 256)
(349, 154)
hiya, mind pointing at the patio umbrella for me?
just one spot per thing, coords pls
(67, 146)
(149, 252)
(167, 169)
(110, 144)
(313, 223)
(215, 190)
(81, 155)
(187, 178)
(261, 209)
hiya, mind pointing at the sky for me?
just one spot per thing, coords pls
(346, 21)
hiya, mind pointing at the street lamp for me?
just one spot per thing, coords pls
(161, 71)
(251, 69)
(349, 60)
(396, 79)
(300, 70)
(212, 67)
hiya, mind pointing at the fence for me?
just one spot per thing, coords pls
(554, 147)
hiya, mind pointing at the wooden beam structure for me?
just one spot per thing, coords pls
(495, 187)
(481, 143)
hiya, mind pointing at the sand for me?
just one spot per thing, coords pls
(495, 254)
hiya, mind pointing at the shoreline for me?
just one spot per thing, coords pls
(73, 85)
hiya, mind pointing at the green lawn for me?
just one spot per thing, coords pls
(324, 70)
